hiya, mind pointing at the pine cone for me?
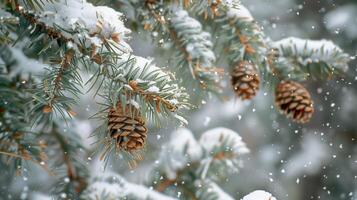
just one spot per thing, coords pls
(127, 127)
(245, 80)
(294, 101)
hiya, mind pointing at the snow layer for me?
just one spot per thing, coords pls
(214, 138)
(141, 64)
(179, 151)
(318, 50)
(240, 12)
(259, 195)
(117, 187)
(198, 43)
(76, 15)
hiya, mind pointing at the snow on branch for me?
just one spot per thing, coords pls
(239, 12)
(318, 58)
(223, 148)
(138, 81)
(90, 30)
(217, 148)
(196, 42)
(59, 88)
(259, 195)
(218, 152)
(242, 37)
(113, 186)
(82, 23)
(195, 49)
(215, 139)
(179, 151)
(212, 8)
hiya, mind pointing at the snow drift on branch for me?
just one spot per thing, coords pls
(113, 186)
(215, 138)
(313, 51)
(259, 195)
(240, 12)
(199, 45)
(180, 150)
(73, 15)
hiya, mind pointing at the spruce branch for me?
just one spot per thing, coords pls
(193, 46)
(112, 186)
(61, 81)
(17, 141)
(316, 59)
(196, 47)
(101, 58)
(184, 160)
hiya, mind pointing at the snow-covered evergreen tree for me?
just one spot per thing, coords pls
(63, 62)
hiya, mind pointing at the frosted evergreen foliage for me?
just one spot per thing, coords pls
(312, 53)
(82, 22)
(198, 44)
(112, 186)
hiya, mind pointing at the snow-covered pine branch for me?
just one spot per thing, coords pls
(182, 150)
(218, 152)
(211, 9)
(95, 37)
(112, 186)
(81, 22)
(242, 34)
(240, 40)
(223, 149)
(82, 18)
(172, 27)
(316, 58)
(195, 45)
(136, 82)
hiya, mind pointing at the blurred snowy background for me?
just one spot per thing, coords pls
(313, 161)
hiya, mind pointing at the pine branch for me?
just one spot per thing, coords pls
(316, 59)
(193, 46)
(185, 160)
(17, 142)
(61, 81)
(113, 186)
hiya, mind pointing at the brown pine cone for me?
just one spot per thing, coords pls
(245, 80)
(127, 127)
(294, 101)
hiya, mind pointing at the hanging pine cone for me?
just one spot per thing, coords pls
(294, 101)
(127, 127)
(245, 80)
